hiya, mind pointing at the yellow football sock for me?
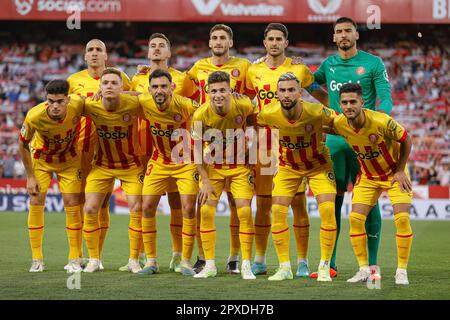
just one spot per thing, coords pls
(36, 230)
(80, 232)
(404, 238)
(104, 225)
(301, 229)
(262, 231)
(358, 237)
(280, 232)
(201, 253)
(135, 234)
(246, 231)
(149, 236)
(73, 227)
(327, 230)
(235, 243)
(208, 231)
(176, 225)
(189, 230)
(91, 230)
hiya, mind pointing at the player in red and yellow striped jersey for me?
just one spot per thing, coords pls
(52, 129)
(86, 83)
(375, 138)
(225, 159)
(159, 54)
(169, 117)
(261, 81)
(302, 154)
(117, 156)
(220, 42)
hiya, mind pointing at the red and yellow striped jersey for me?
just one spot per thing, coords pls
(117, 132)
(162, 125)
(376, 144)
(262, 81)
(83, 84)
(301, 146)
(182, 85)
(236, 67)
(232, 147)
(54, 141)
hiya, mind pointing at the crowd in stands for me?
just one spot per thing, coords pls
(419, 76)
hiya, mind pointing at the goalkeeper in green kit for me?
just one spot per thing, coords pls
(351, 65)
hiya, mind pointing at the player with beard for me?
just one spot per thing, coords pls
(159, 55)
(352, 65)
(220, 42)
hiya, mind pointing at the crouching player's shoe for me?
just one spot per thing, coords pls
(175, 263)
(361, 276)
(333, 273)
(401, 277)
(92, 266)
(207, 272)
(199, 265)
(247, 273)
(232, 267)
(259, 268)
(73, 266)
(149, 269)
(323, 273)
(186, 269)
(302, 270)
(283, 273)
(37, 266)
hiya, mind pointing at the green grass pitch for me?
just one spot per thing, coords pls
(428, 268)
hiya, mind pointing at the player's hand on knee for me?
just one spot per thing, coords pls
(403, 181)
(33, 186)
(142, 69)
(205, 193)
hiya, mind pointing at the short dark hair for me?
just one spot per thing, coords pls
(276, 26)
(159, 73)
(223, 27)
(218, 76)
(115, 71)
(351, 87)
(57, 87)
(345, 20)
(160, 36)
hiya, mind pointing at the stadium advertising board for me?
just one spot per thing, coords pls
(430, 203)
(314, 11)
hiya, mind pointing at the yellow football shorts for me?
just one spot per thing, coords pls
(287, 181)
(368, 191)
(160, 178)
(264, 183)
(240, 180)
(101, 180)
(68, 174)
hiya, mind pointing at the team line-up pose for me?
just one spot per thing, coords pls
(186, 134)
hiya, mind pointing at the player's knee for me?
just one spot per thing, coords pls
(37, 200)
(149, 208)
(91, 208)
(188, 210)
(174, 200)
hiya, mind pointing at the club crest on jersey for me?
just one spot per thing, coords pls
(309, 128)
(75, 120)
(196, 176)
(373, 138)
(331, 176)
(126, 117)
(23, 130)
(177, 117)
(360, 71)
(235, 73)
(173, 85)
(79, 175)
(238, 119)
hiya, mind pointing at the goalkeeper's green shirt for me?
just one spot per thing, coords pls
(364, 68)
